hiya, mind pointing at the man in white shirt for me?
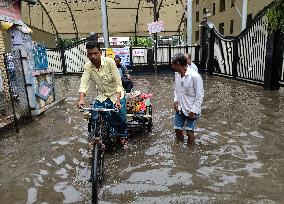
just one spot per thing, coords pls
(188, 97)
(190, 64)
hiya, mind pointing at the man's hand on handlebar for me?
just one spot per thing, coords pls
(118, 105)
(81, 104)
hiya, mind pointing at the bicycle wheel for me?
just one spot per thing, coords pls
(94, 173)
(102, 131)
(101, 167)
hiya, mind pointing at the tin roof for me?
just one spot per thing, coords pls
(80, 17)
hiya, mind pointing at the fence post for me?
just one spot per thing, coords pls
(130, 57)
(63, 60)
(186, 48)
(204, 46)
(210, 62)
(235, 58)
(196, 55)
(273, 62)
(170, 53)
(150, 59)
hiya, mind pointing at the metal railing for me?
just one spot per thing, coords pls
(72, 59)
(244, 57)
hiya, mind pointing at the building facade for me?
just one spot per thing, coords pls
(224, 14)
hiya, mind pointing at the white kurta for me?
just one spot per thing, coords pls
(189, 92)
(193, 66)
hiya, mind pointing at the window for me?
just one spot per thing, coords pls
(222, 6)
(249, 19)
(197, 2)
(231, 26)
(232, 3)
(222, 28)
(197, 35)
(214, 9)
(197, 16)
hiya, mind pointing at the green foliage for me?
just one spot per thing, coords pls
(141, 42)
(276, 16)
(66, 42)
(177, 40)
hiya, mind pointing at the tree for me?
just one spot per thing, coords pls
(276, 17)
(274, 56)
(66, 42)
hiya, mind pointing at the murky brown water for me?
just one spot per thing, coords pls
(238, 158)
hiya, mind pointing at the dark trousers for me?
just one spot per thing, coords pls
(127, 85)
(117, 121)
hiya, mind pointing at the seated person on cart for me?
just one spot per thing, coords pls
(103, 71)
(125, 78)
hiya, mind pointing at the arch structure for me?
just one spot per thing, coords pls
(78, 18)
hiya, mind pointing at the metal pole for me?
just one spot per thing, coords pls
(105, 22)
(244, 14)
(189, 22)
(155, 36)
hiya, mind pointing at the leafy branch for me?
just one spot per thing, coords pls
(276, 16)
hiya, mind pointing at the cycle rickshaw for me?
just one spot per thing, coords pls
(139, 115)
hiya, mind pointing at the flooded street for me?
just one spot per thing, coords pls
(238, 156)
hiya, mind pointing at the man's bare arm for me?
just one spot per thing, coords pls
(81, 99)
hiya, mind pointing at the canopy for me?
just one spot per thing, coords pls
(70, 18)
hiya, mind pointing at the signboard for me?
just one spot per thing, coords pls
(40, 57)
(155, 27)
(110, 53)
(10, 11)
(44, 90)
(124, 55)
(138, 52)
(10, 62)
(11, 66)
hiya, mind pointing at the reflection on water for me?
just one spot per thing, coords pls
(237, 158)
(70, 193)
(32, 195)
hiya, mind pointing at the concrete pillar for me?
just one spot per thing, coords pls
(105, 22)
(244, 14)
(189, 22)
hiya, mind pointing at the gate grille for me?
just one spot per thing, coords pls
(252, 51)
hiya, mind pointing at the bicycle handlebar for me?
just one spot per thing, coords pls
(99, 109)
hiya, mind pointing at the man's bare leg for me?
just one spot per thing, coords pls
(191, 137)
(179, 134)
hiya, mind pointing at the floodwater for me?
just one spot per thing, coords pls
(238, 156)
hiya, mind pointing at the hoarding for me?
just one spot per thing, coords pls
(10, 11)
